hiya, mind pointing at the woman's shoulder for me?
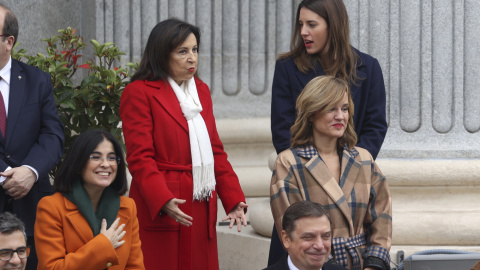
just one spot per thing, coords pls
(366, 59)
(57, 196)
(55, 202)
(285, 61)
(201, 86)
(289, 156)
(127, 202)
(361, 153)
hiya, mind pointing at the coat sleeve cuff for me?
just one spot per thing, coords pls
(377, 257)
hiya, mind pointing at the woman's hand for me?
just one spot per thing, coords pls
(171, 208)
(115, 233)
(237, 215)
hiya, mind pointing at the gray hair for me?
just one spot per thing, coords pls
(9, 223)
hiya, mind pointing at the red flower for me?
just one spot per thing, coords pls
(74, 58)
(84, 66)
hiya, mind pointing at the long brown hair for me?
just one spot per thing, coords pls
(319, 95)
(341, 58)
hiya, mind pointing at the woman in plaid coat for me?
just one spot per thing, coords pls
(324, 166)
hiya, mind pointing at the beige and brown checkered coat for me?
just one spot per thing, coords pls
(359, 205)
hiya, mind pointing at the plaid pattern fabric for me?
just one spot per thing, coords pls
(358, 204)
(341, 246)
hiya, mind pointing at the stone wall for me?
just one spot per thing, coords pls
(430, 69)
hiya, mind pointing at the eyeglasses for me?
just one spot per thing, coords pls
(5, 35)
(112, 160)
(7, 254)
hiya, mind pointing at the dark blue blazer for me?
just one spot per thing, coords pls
(35, 135)
(282, 264)
(368, 97)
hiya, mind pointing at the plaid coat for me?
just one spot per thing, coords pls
(360, 205)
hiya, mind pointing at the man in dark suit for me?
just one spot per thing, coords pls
(31, 134)
(307, 237)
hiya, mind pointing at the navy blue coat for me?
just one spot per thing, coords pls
(368, 97)
(35, 135)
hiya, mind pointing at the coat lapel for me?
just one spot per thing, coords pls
(17, 90)
(324, 177)
(350, 169)
(78, 222)
(164, 97)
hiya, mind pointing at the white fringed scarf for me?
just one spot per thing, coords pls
(200, 147)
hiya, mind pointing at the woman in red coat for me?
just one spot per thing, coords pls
(175, 155)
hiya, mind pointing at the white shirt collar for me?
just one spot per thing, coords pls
(291, 266)
(6, 71)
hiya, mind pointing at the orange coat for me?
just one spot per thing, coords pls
(64, 240)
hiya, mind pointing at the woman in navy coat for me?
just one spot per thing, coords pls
(320, 46)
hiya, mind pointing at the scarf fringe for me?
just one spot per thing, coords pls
(206, 175)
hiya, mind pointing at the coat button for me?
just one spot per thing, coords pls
(109, 264)
(8, 156)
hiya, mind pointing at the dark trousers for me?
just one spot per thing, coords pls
(276, 248)
(32, 260)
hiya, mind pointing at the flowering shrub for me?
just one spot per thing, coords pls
(93, 102)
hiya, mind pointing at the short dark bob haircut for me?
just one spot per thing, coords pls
(301, 209)
(77, 157)
(165, 37)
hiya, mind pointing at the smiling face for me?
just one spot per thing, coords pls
(13, 241)
(331, 124)
(97, 175)
(314, 30)
(310, 243)
(183, 60)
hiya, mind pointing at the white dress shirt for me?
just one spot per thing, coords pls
(291, 266)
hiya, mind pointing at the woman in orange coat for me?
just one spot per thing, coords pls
(87, 224)
(175, 155)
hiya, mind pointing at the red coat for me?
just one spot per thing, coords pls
(159, 159)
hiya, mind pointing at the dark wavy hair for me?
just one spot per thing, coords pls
(340, 58)
(165, 37)
(78, 155)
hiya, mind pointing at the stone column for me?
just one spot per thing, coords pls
(429, 56)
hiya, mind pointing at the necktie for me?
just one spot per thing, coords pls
(3, 115)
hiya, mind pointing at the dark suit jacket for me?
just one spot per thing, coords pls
(368, 97)
(35, 135)
(282, 264)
